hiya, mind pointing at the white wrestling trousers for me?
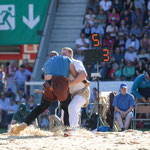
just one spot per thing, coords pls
(74, 108)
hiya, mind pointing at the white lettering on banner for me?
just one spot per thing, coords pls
(31, 22)
(7, 17)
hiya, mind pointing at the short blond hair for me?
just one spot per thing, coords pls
(68, 49)
(53, 53)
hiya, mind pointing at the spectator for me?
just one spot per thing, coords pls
(97, 29)
(137, 17)
(113, 15)
(21, 76)
(82, 43)
(92, 4)
(111, 74)
(4, 102)
(140, 4)
(87, 30)
(9, 94)
(130, 55)
(93, 98)
(147, 17)
(89, 69)
(141, 87)
(123, 104)
(118, 56)
(20, 96)
(119, 72)
(146, 29)
(145, 42)
(118, 5)
(140, 68)
(11, 110)
(128, 5)
(136, 30)
(20, 115)
(143, 56)
(105, 5)
(31, 103)
(134, 42)
(101, 18)
(129, 71)
(112, 29)
(148, 5)
(126, 17)
(90, 17)
(121, 42)
(26, 63)
(2, 79)
(10, 72)
(123, 28)
(103, 70)
(109, 42)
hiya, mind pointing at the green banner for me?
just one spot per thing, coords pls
(20, 21)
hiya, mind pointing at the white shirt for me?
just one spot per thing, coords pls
(12, 108)
(88, 16)
(130, 56)
(80, 42)
(105, 5)
(79, 68)
(110, 29)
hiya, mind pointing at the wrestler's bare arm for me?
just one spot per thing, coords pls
(80, 77)
(72, 70)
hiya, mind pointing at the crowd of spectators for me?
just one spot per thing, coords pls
(12, 92)
(124, 27)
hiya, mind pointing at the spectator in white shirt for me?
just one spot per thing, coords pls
(130, 55)
(82, 43)
(90, 17)
(112, 29)
(21, 76)
(105, 4)
(143, 56)
(134, 42)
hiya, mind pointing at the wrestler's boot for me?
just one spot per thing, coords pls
(18, 128)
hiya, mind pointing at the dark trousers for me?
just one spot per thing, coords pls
(43, 106)
(145, 92)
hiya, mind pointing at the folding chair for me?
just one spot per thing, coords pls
(140, 108)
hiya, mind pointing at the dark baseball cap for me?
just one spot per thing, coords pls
(22, 107)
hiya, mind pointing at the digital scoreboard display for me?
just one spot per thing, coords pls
(98, 53)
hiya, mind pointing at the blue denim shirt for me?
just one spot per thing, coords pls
(57, 66)
(140, 82)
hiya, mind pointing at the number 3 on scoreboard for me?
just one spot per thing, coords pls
(106, 54)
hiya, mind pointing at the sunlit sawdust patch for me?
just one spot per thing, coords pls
(30, 130)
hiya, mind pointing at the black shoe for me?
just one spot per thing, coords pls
(122, 129)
